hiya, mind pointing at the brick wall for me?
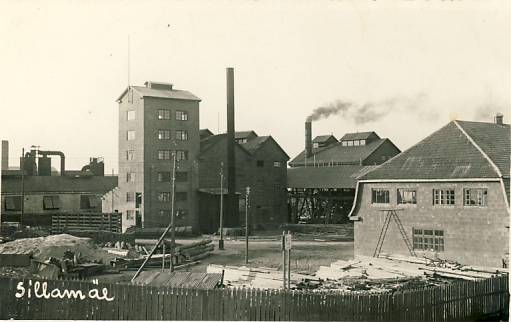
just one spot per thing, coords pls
(472, 235)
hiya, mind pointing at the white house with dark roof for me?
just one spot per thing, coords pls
(451, 195)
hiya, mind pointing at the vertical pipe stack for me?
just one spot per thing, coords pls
(308, 139)
(231, 219)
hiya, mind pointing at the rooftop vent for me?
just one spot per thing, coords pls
(499, 119)
(159, 85)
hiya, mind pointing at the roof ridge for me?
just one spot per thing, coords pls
(471, 140)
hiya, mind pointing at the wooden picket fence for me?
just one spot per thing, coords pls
(464, 300)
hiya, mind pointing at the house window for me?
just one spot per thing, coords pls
(181, 176)
(260, 163)
(163, 154)
(181, 196)
(181, 116)
(380, 196)
(181, 135)
(90, 202)
(344, 143)
(350, 143)
(130, 115)
(181, 155)
(428, 239)
(164, 176)
(475, 197)
(163, 134)
(164, 196)
(51, 202)
(130, 176)
(315, 145)
(130, 155)
(12, 203)
(130, 135)
(406, 196)
(276, 164)
(362, 142)
(130, 196)
(443, 197)
(163, 114)
(130, 214)
(356, 142)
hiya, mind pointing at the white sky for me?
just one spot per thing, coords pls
(63, 64)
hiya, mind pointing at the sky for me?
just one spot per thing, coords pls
(404, 68)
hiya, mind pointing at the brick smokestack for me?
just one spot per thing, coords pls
(5, 155)
(308, 139)
(231, 207)
(499, 119)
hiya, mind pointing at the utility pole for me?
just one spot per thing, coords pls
(22, 185)
(113, 193)
(246, 224)
(173, 229)
(221, 241)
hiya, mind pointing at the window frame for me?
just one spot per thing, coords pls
(164, 134)
(131, 176)
(277, 164)
(51, 202)
(129, 137)
(483, 198)
(444, 197)
(14, 201)
(130, 196)
(131, 113)
(399, 199)
(375, 197)
(181, 135)
(130, 155)
(433, 241)
(260, 163)
(164, 196)
(183, 115)
(181, 155)
(165, 154)
(162, 175)
(164, 114)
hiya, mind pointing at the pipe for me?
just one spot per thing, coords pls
(62, 159)
(232, 219)
(308, 139)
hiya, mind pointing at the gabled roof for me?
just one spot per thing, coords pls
(493, 139)
(341, 154)
(323, 138)
(161, 93)
(59, 184)
(244, 134)
(325, 177)
(210, 141)
(449, 153)
(204, 133)
(359, 136)
(256, 143)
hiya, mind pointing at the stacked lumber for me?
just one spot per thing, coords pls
(260, 277)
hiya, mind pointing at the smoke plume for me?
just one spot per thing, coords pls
(362, 113)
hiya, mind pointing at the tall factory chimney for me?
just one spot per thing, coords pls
(232, 216)
(308, 139)
(5, 155)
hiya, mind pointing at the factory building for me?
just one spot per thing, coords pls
(33, 193)
(260, 163)
(449, 194)
(157, 122)
(322, 178)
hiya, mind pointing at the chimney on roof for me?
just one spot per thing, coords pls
(5, 155)
(499, 119)
(308, 139)
(158, 85)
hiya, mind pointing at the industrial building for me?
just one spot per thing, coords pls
(156, 122)
(322, 178)
(34, 194)
(446, 197)
(260, 163)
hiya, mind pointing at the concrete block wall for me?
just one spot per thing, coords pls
(472, 235)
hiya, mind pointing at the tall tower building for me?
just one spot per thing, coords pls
(155, 122)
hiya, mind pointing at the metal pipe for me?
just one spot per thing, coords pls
(246, 224)
(221, 241)
(62, 159)
(232, 218)
(172, 215)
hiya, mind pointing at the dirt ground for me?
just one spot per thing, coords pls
(306, 256)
